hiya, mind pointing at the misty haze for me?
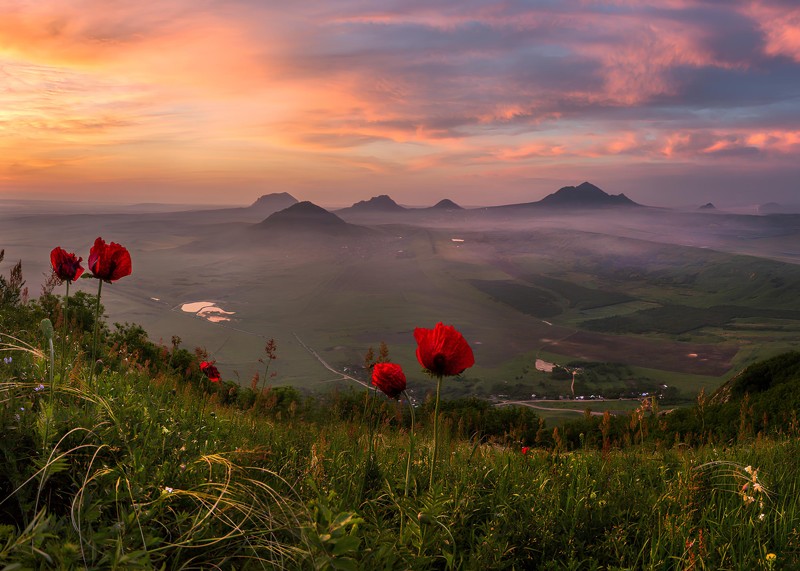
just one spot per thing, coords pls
(681, 298)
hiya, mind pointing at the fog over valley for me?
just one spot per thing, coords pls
(678, 298)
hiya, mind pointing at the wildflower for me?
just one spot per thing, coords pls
(39, 387)
(771, 557)
(109, 262)
(7, 360)
(525, 450)
(168, 490)
(757, 487)
(389, 378)
(210, 371)
(748, 469)
(761, 517)
(443, 351)
(66, 265)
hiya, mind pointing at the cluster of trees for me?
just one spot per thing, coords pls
(761, 401)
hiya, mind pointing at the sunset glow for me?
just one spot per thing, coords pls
(219, 101)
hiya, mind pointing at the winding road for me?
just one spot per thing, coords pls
(343, 376)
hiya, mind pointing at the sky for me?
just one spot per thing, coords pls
(672, 102)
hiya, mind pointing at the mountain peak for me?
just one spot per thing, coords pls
(303, 215)
(382, 203)
(708, 206)
(274, 200)
(585, 195)
(446, 204)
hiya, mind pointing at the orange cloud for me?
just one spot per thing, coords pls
(781, 27)
(186, 93)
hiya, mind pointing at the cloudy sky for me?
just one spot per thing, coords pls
(219, 101)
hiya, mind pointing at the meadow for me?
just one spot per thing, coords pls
(143, 471)
(141, 461)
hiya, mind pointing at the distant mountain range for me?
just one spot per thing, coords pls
(584, 196)
(384, 204)
(307, 217)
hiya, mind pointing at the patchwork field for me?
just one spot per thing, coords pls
(691, 358)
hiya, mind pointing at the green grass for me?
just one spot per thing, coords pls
(678, 319)
(578, 296)
(524, 298)
(135, 476)
(140, 470)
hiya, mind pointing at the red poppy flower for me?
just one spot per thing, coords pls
(109, 262)
(210, 371)
(443, 350)
(525, 450)
(389, 378)
(66, 265)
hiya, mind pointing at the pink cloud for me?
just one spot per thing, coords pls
(180, 91)
(781, 27)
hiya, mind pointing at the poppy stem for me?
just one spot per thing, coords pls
(410, 443)
(368, 466)
(435, 428)
(94, 336)
(61, 366)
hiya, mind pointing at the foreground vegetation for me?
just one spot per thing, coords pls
(135, 472)
(147, 464)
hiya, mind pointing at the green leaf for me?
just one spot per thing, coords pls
(346, 544)
(344, 519)
(346, 564)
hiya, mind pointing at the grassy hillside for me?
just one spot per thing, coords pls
(138, 472)
(148, 465)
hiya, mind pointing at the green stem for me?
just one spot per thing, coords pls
(52, 366)
(94, 336)
(61, 366)
(49, 397)
(368, 463)
(260, 394)
(435, 429)
(410, 443)
(64, 334)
